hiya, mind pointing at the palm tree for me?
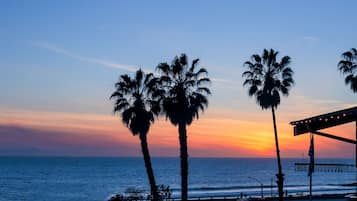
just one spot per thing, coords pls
(135, 99)
(185, 96)
(266, 79)
(348, 67)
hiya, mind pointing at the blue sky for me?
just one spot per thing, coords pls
(64, 56)
(139, 33)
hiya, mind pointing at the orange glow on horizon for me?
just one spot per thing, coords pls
(207, 137)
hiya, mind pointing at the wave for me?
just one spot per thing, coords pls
(254, 190)
(214, 188)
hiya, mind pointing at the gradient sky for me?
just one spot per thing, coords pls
(59, 61)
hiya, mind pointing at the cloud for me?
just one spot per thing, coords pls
(17, 140)
(87, 123)
(102, 62)
(245, 134)
(91, 60)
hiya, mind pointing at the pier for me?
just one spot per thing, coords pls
(326, 167)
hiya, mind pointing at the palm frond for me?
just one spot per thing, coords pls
(194, 64)
(252, 90)
(287, 83)
(183, 60)
(284, 90)
(127, 115)
(285, 61)
(266, 78)
(204, 80)
(163, 67)
(190, 83)
(126, 79)
(289, 80)
(248, 81)
(139, 77)
(121, 106)
(148, 78)
(349, 79)
(249, 64)
(348, 67)
(347, 55)
(256, 58)
(184, 90)
(204, 89)
(248, 74)
(287, 70)
(201, 72)
(265, 56)
(354, 51)
(116, 94)
(134, 98)
(198, 100)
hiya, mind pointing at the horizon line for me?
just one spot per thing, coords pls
(194, 157)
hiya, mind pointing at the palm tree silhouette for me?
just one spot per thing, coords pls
(266, 79)
(135, 99)
(185, 96)
(348, 67)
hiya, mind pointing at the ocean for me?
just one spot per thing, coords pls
(96, 178)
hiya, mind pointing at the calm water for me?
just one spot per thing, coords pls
(94, 179)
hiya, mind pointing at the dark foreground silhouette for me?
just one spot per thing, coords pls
(348, 67)
(136, 101)
(185, 96)
(267, 78)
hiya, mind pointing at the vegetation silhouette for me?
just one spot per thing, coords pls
(136, 99)
(185, 95)
(137, 194)
(267, 78)
(348, 67)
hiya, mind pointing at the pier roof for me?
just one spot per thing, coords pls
(324, 121)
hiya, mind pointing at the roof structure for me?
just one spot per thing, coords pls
(316, 123)
(324, 121)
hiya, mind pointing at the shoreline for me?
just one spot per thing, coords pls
(321, 197)
(267, 193)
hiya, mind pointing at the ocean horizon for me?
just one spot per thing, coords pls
(111, 156)
(70, 178)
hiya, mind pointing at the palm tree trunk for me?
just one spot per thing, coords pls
(149, 170)
(184, 161)
(280, 175)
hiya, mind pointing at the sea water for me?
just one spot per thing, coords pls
(96, 178)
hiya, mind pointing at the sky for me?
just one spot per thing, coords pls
(59, 61)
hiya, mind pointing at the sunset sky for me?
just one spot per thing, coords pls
(59, 61)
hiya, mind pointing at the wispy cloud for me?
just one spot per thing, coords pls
(92, 60)
(101, 62)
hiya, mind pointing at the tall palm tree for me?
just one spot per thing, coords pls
(348, 67)
(185, 96)
(135, 100)
(267, 78)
